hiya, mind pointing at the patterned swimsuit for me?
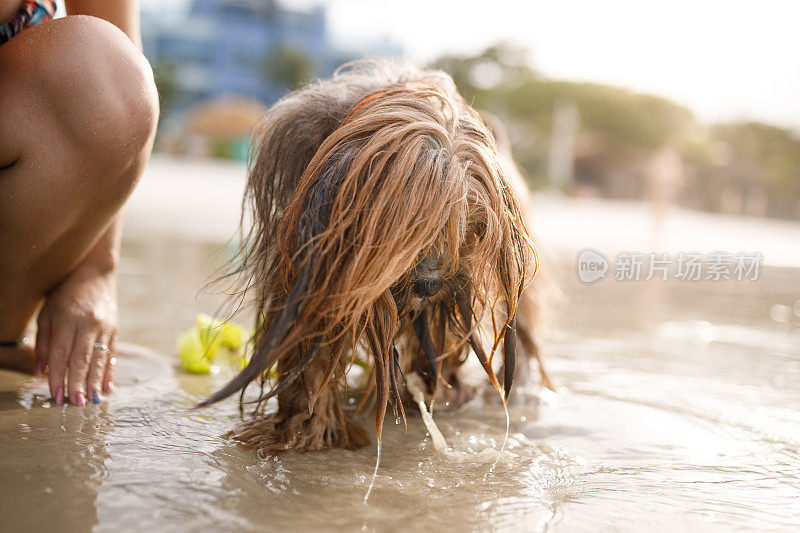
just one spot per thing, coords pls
(31, 12)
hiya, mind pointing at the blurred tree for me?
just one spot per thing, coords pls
(288, 67)
(501, 81)
(768, 156)
(755, 164)
(777, 150)
(638, 120)
(166, 83)
(501, 65)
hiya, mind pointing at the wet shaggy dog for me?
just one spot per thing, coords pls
(388, 228)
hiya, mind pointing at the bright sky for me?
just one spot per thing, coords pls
(723, 59)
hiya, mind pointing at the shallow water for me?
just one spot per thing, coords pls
(676, 409)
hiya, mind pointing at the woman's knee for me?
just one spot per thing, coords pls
(100, 89)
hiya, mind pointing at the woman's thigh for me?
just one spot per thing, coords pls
(77, 115)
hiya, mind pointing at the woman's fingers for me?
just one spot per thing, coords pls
(42, 343)
(79, 349)
(108, 379)
(97, 368)
(81, 312)
(81, 357)
(58, 355)
(86, 359)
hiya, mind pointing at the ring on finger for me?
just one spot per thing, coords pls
(100, 347)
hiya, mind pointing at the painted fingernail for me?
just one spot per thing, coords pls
(110, 387)
(80, 401)
(95, 397)
(37, 372)
(60, 396)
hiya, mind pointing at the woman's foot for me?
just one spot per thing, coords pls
(20, 357)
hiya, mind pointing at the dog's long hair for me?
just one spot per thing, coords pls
(384, 223)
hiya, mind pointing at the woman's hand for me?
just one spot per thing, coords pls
(77, 335)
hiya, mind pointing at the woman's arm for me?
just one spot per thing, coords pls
(90, 290)
(81, 312)
(124, 14)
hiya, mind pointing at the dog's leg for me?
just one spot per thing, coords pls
(309, 417)
(444, 387)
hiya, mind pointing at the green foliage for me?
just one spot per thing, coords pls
(776, 151)
(519, 93)
(221, 148)
(638, 120)
(527, 100)
(167, 85)
(500, 80)
(288, 67)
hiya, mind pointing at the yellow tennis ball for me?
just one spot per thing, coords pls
(236, 359)
(215, 333)
(210, 342)
(208, 332)
(233, 335)
(192, 355)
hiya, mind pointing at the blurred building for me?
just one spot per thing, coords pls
(255, 48)
(225, 47)
(218, 49)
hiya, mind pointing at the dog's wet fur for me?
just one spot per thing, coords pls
(387, 225)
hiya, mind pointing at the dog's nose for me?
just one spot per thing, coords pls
(427, 288)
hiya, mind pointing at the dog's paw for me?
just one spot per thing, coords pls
(274, 434)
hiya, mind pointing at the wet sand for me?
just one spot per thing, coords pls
(676, 409)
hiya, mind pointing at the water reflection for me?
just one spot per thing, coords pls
(416, 485)
(54, 461)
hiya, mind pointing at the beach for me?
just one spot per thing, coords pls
(675, 402)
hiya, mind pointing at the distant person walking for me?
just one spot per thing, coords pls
(665, 177)
(78, 112)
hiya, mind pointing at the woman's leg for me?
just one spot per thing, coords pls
(78, 111)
